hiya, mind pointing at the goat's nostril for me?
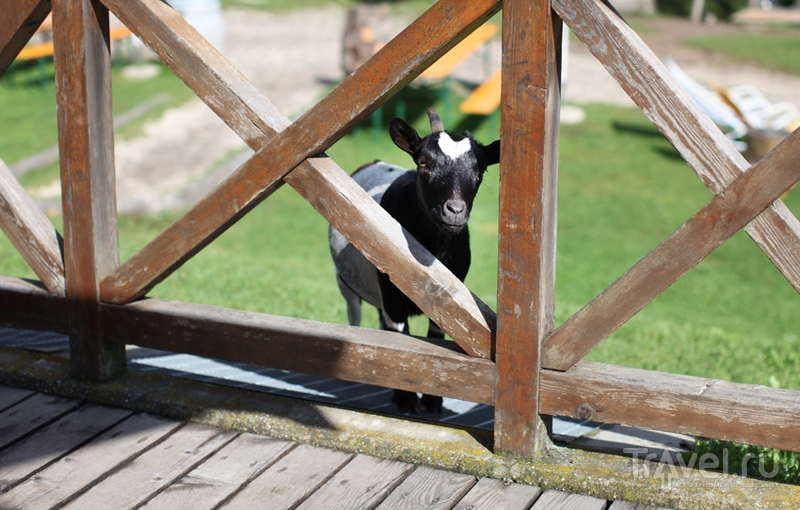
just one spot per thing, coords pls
(455, 207)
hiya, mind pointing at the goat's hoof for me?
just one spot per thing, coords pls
(407, 402)
(432, 404)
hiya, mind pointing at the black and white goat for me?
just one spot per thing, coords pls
(433, 204)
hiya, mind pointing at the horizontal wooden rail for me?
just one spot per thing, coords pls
(26, 304)
(343, 352)
(31, 232)
(19, 20)
(701, 143)
(725, 215)
(331, 350)
(698, 406)
(257, 121)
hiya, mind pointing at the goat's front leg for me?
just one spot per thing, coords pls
(433, 403)
(406, 401)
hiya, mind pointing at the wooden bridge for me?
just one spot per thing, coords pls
(516, 359)
(62, 453)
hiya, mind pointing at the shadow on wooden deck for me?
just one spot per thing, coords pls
(179, 432)
(59, 451)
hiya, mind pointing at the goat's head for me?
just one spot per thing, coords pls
(450, 169)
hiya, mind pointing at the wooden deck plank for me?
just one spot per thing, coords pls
(11, 396)
(557, 500)
(489, 494)
(627, 505)
(19, 420)
(362, 483)
(223, 474)
(429, 489)
(155, 469)
(293, 478)
(72, 474)
(54, 441)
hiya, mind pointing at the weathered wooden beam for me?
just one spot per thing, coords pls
(527, 230)
(86, 145)
(31, 232)
(698, 406)
(19, 20)
(257, 121)
(725, 215)
(355, 354)
(704, 147)
(28, 305)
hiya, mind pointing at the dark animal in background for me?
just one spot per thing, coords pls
(433, 204)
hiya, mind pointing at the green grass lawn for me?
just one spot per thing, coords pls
(776, 47)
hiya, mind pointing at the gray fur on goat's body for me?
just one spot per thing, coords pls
(356, 276)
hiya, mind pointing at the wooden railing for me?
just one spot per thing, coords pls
(516, 360)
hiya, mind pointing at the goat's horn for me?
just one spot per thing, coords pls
(436, 122)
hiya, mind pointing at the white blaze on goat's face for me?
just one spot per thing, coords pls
(451, 148)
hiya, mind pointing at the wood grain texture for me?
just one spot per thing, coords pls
(62, 481)
(28, 305)
(429, 489)
(31, 232)
(701, 143)
(698, 406)
(20, 419)
(19, 20)
(489, 494)
(223, 474)
(88, 196)
(431, 286)
(362, 483)
(331, 350)
(52, 442)
(11, 396)
(627, 505)
(556, 500)
(155, 469)
(290, 480)
(726, 214)
(527, 231)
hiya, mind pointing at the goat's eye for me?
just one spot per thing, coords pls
(423, 165)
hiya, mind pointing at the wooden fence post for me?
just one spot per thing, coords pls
(528, 182)
(86, 146)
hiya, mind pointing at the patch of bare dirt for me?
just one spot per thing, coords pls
(294, 57)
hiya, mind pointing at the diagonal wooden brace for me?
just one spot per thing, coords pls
(283, 146)
(19, 20)
(31, 232)
(699, 141)
(726, 214)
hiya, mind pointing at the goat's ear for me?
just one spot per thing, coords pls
(492, 153)
(403, 135)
